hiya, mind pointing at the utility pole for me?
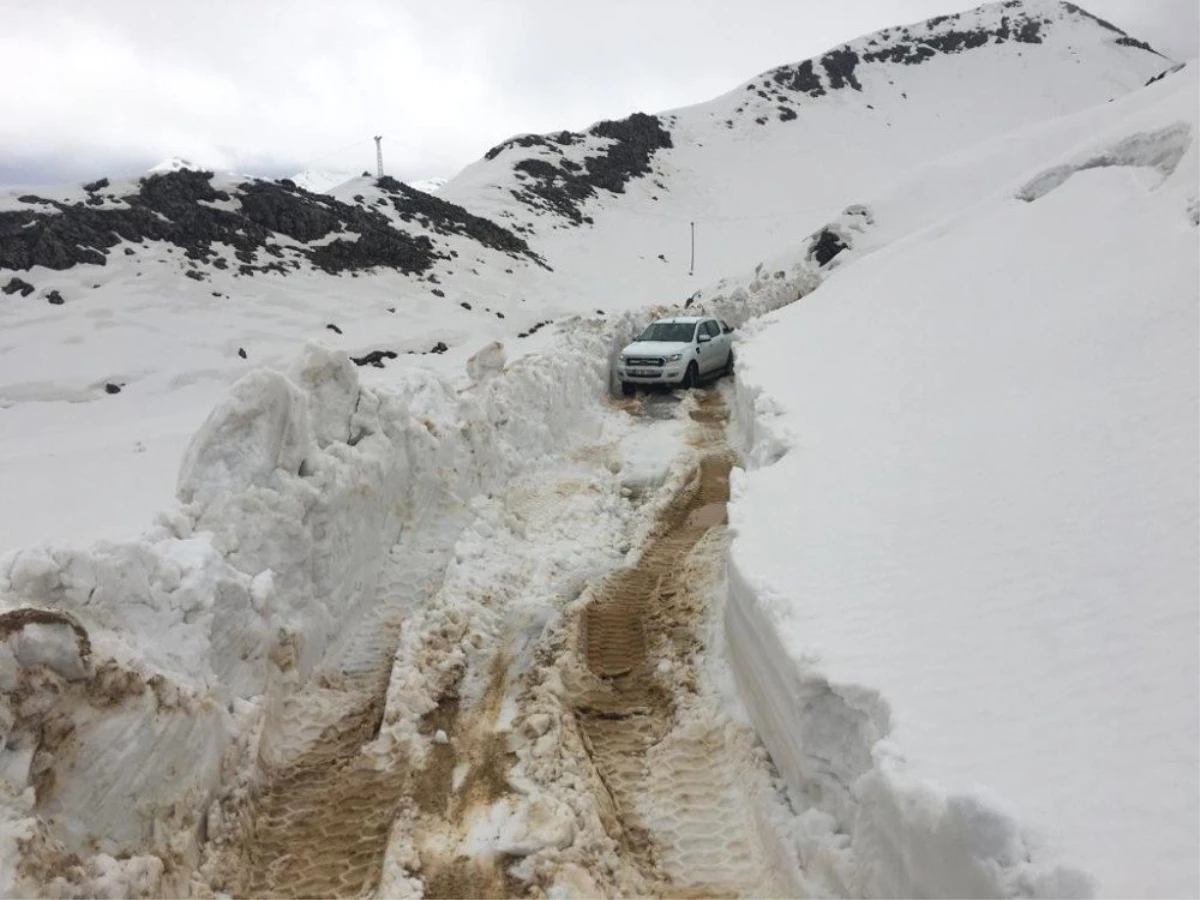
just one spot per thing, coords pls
(692, 264)
(379, 155)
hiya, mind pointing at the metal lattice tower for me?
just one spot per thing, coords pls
(379, 155)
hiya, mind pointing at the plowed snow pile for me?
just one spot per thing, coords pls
(963, 586)
(350, 571)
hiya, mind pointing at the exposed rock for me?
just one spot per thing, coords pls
(18, 284)
(561, 139)
(374, 358)
(562, 186)
(839, 67)
(535, 329)
(825, 246)
(168, 208)
(800, 77)
(55, 298)
(111, 388)
(334, 328)
(443, 217)
(93, 186)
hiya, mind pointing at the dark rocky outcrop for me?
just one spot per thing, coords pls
(374, 358)
(561, 186)
(839, 67)
(801, 78)
(18, 284)
(1124, 38)
(173, 208)
(55, 298)
(1163, 74)
(561, 139)
(825, 246)
(536, 328)
(949, 34)
(444, 217)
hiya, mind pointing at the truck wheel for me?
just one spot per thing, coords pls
(628, 389)
(690, 377)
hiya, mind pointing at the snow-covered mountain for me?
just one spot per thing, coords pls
(321, 181)
(428, 185)
(1000, 206)
(173, 164)
(318, 181)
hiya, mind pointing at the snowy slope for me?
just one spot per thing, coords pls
(778, 156)
(968, 532)
(321, 180)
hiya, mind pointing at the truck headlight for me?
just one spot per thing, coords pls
(675, 357)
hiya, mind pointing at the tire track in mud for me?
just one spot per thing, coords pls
(321, 827)
(318, 822)
(677, 810)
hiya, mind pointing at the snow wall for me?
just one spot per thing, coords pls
(139, 678)
(870, 828)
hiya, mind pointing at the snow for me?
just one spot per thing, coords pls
(966, 539)
(172, 164)
(428, 185)
(320, 181)
(324, 181)
(961, 602)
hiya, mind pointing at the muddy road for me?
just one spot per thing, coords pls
(596, 759)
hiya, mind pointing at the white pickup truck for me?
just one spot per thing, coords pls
(677, 351)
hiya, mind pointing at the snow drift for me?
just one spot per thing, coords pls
(963, 582)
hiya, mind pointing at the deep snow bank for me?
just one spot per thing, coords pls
(963, 577)
(137, 677)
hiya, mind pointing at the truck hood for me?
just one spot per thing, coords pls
(655, 348)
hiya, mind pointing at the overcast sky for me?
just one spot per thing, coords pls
(98, 87)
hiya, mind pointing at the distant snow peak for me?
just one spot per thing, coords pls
(318, 181)
(174, 164)
(1013, 21)
(427, 185)
(321, 181)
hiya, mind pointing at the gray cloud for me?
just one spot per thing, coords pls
(273, 86)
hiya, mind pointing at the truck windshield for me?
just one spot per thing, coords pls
(669, 332)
